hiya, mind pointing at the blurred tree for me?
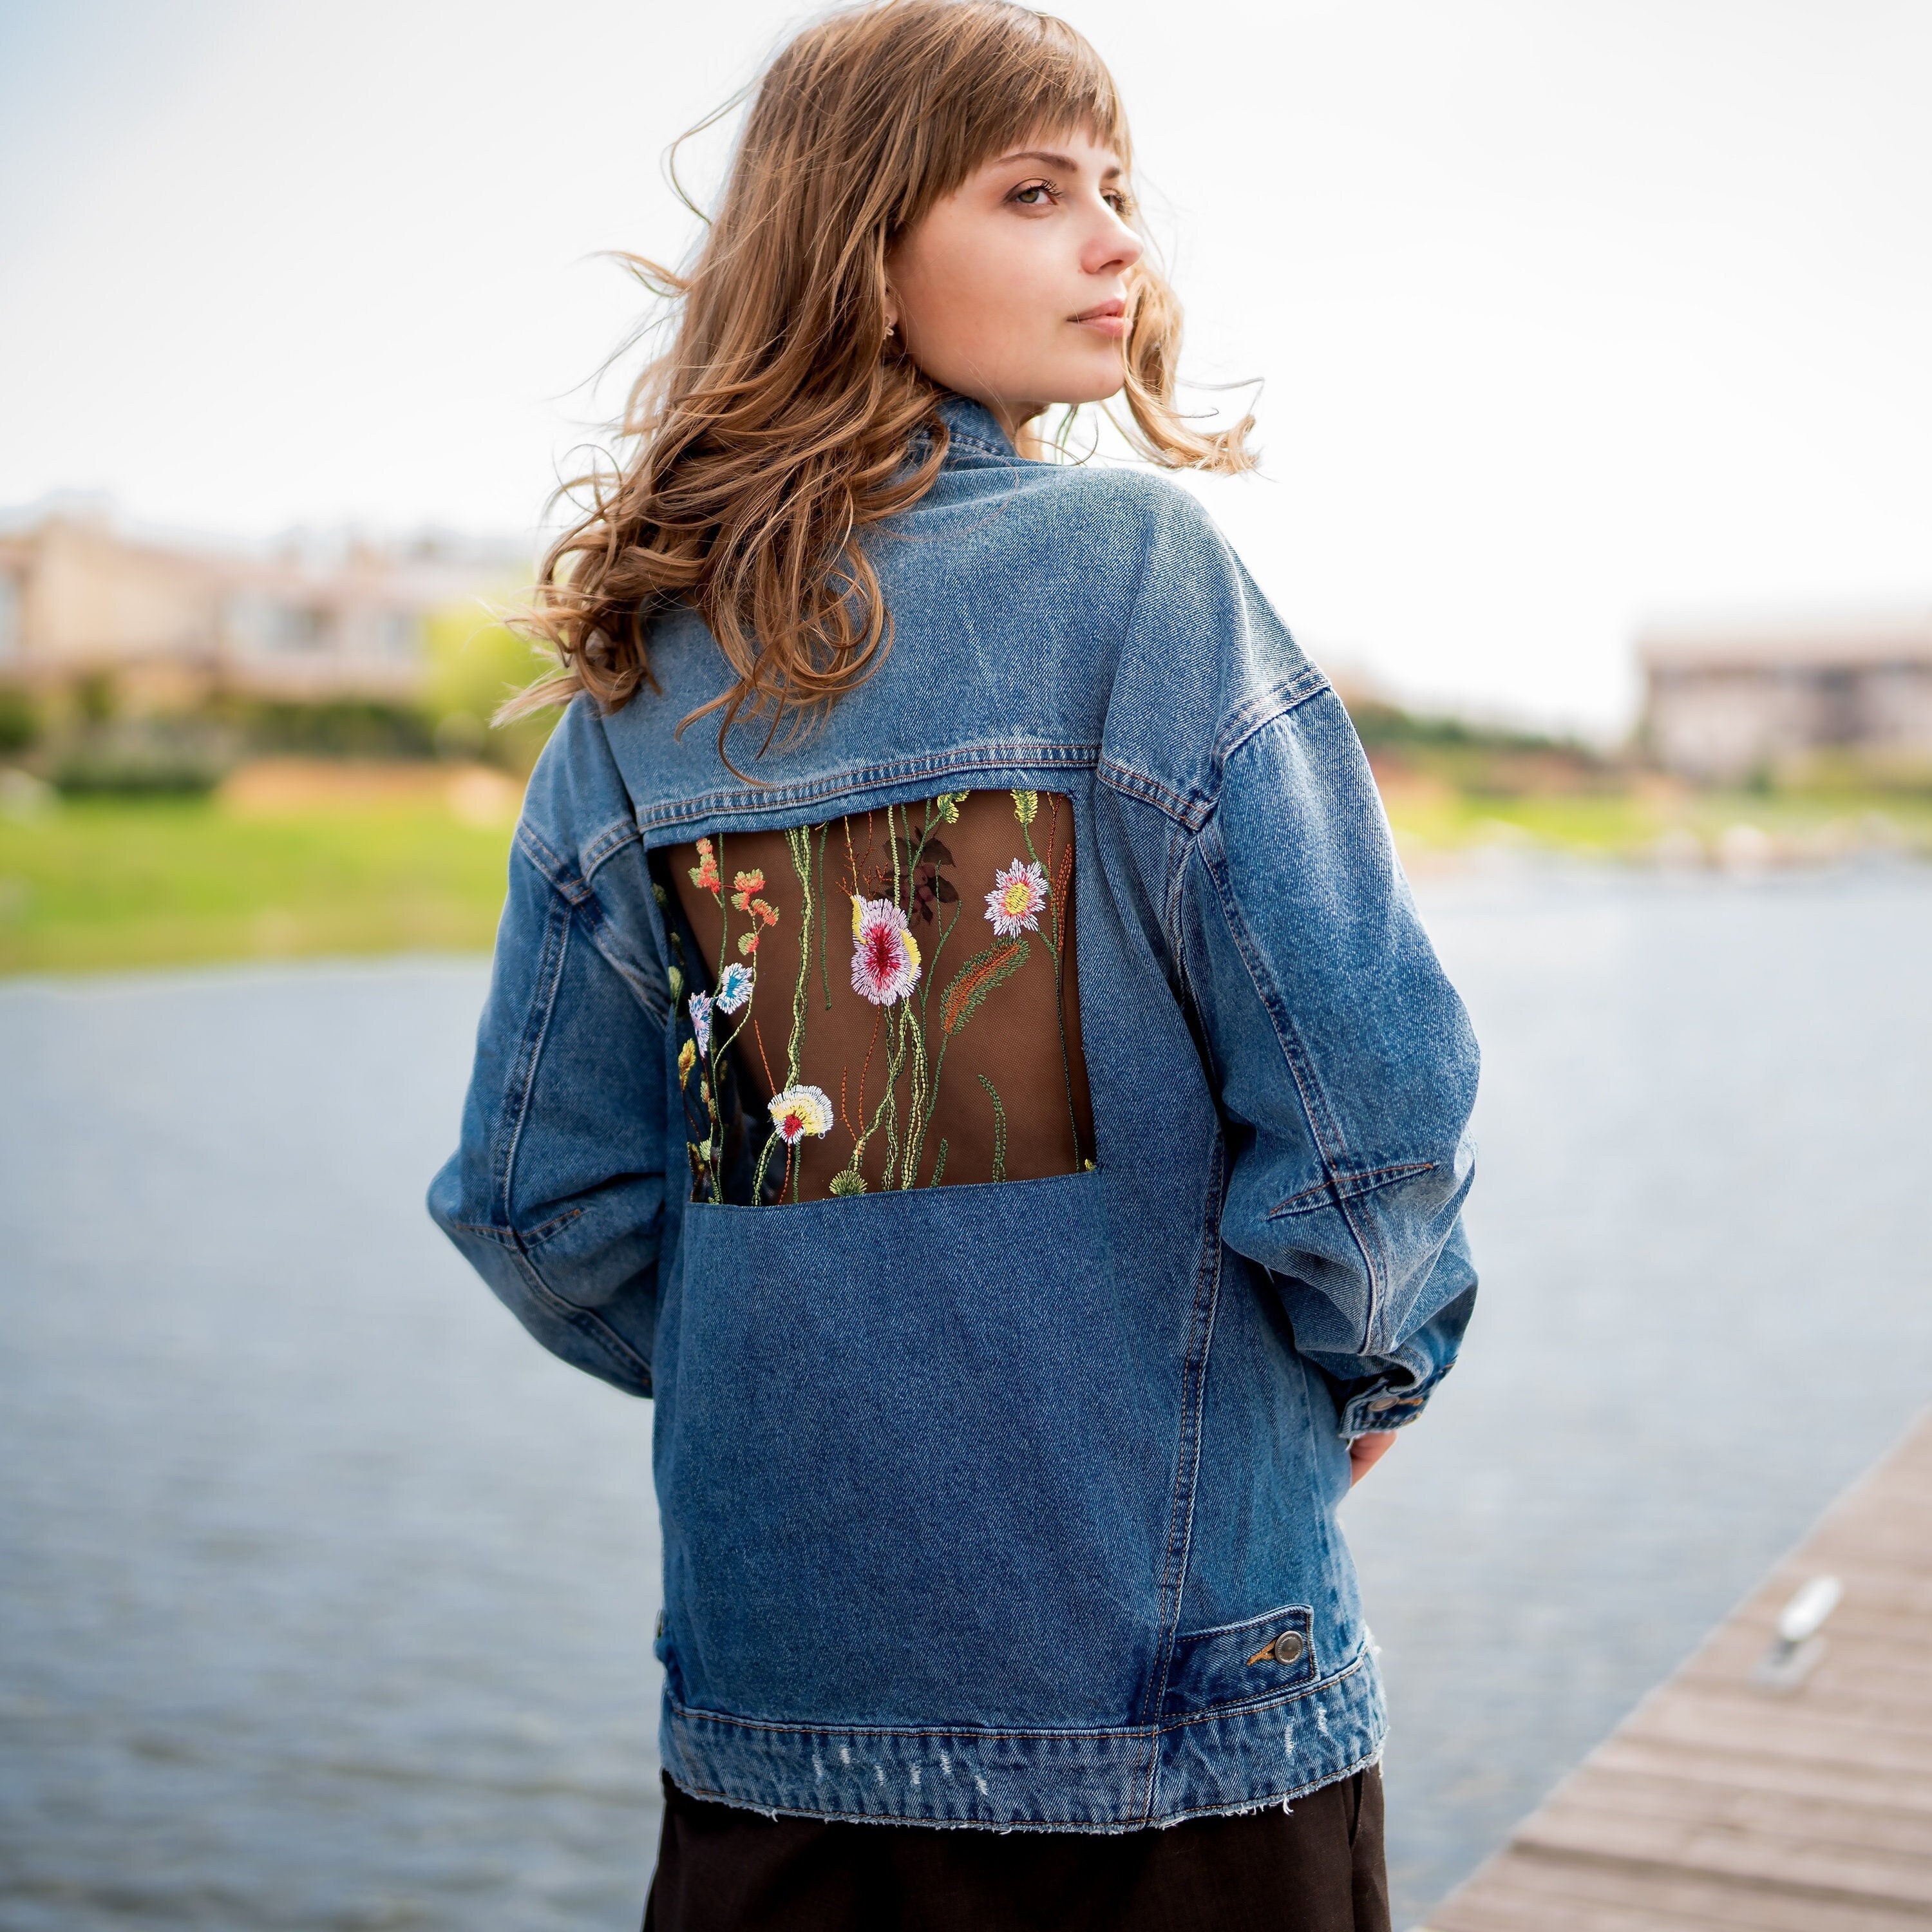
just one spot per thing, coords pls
(475, 661)
(19, 720)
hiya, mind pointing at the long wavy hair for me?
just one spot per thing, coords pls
(780, 422)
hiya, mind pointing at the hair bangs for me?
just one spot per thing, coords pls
(1001, 75)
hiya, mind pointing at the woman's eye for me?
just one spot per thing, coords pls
(1034, 194)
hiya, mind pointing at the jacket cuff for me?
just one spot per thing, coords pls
(1380, 1407)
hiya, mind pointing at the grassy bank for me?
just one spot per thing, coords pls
(291, 858)
(278, 869)
(1437, 826)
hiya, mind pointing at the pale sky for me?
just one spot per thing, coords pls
(1572, 314)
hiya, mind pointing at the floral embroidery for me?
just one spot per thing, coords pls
(735, 984)
(800, 1111)
(1013, 904)
(890, 1129)
(885, 955)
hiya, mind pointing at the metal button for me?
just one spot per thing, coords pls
(1288, 1647)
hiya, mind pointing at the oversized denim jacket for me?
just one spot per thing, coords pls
(1043, 1535)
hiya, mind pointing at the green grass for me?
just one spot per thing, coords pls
(92, 885)
(1634, 824)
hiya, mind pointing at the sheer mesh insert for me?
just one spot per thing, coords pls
(886, 1000)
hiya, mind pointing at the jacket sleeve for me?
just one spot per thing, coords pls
(556, 1192)
(1343, 1062)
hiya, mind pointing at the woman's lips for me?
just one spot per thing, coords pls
(1108, 318)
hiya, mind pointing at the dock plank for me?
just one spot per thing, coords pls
(1720, 1805)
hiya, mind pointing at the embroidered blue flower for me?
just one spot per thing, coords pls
(701, 1020)
(734, 988)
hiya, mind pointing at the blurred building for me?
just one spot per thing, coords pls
(308, 618)
(1720, 705)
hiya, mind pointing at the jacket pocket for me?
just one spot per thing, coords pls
(1241, 1664)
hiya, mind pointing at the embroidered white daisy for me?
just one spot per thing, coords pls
(1013, 905)
(885, 955)
(800, 1111)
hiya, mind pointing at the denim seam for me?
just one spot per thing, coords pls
(1257, 712)
(993, 1735)
(599, 1334)
(1187, 1458)
(607, 844)
(1343, 1186)
(1249, 1623)
(552, 865)
(1191, 807)
(1323, 1131)
(508, 1237)
(530, 1048)
(574, 886)
(517, 1102)
(1017, 755)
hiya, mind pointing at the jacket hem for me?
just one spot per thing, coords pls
(1195, 1764)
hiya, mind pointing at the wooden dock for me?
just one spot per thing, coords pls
(1773, 1785)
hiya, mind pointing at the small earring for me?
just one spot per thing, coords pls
(892, 329)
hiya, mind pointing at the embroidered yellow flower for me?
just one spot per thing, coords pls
(1013, 904)
(800, 1111)
(687, 1058)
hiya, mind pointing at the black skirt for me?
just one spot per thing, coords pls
(1317, 1868)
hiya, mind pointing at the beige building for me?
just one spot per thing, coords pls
(80, 595)
(1720, 705)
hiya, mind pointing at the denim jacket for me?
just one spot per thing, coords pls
(1042, 1534)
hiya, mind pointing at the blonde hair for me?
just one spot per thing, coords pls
(777, 425)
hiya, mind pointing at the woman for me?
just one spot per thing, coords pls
(992, 1089)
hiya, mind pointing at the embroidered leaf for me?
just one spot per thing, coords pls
(947, 805)
(977, 978)
(928, 851)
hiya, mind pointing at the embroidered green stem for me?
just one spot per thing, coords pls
(798, 842)
(999, 1130)
(824, 977)
(1053, 945)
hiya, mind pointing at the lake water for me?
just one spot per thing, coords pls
(326, 1598)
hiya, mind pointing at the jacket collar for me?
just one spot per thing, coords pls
(973, 423)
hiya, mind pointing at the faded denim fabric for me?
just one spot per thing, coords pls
(1013, 1504)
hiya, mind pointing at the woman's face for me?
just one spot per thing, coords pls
(1012, 290)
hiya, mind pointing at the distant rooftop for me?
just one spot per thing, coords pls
(1852, 641)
